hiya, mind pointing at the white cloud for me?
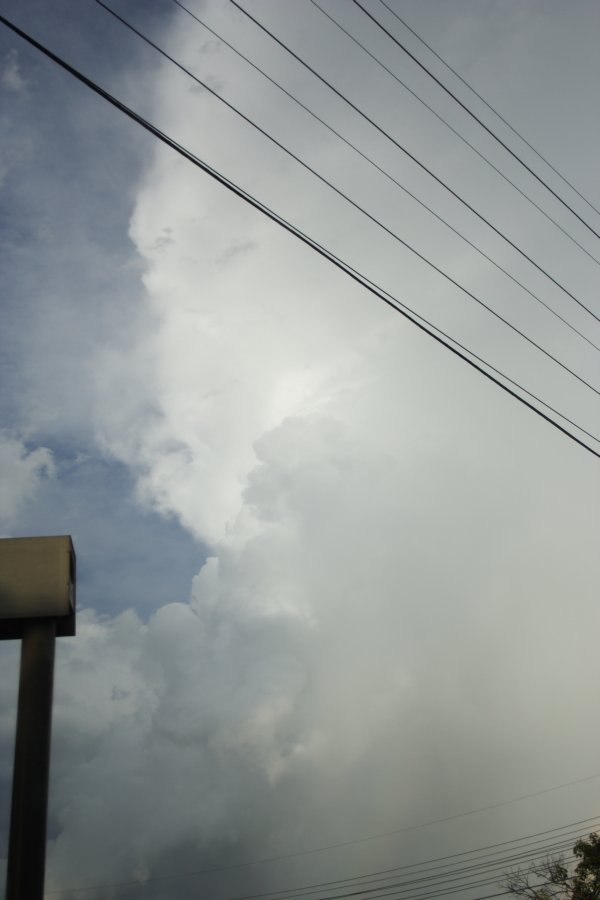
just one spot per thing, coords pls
(11, 76)
(381, 634)
(225, 363)
(349, 650)
(22, 472)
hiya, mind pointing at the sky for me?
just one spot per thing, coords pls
(332, 583)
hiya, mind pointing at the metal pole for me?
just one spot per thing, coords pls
(27, 843)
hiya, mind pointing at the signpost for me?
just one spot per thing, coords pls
(37, 604)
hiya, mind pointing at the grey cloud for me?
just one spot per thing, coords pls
(278, 688)
(23, 470)
(11, 76)
(397, 620)
(235, 250)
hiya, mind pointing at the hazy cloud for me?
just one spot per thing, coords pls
(371, 598)
(11, 76)
(23, 470)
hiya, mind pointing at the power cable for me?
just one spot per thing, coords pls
(447, 883)
(439, 886)
(348, 199)
(411, 156)
(388, 175)
(490, 896)
(447, 886)
(454, 859)
(425, 865)
(322, 251)
(444, 892)
(395, 302)
(490, 107)
(447, 877)
(475, 117)
(454, 130)
(428, 873)
(274, 217)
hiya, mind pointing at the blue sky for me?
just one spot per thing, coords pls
(331, 583)
(123, 550)
(64, 236)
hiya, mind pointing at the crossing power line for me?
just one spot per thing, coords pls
(388, 175)
(361, 209)
(419, 876)
(491, 108)
(466, 863)
(475, 117)
(454, 130)
(412, 157)
(322, 251)
(477, 867)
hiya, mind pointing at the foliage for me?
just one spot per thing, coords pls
(550, 880)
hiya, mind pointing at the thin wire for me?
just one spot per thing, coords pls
(440, 891)
(348, 199)
(426, 865)
(389, 176)
(491, 896)
(491, 108)
(439, 873)
(308, 241)
(447, 885)
(444, 883)
(400, 305)
(445, 892)
(136, 117)
(475, 117)
(455, 131)
(396, 143)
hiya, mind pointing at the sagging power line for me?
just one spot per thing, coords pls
(492, 109)
(476, 118)
(361, 209)
(480, 866)
(322, 251)
(454, 130)
(412, 157)
(387, 174)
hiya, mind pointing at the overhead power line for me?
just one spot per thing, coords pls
(437, 884)
(476, 118)
(411, 156)
(148, 126)
(435, 880)
(348, 199)
(356, 276)
(454, 130)
(491, 108)
(443, 892)
(387, 175)
(455, 864)
(349, 269)
(472, 863)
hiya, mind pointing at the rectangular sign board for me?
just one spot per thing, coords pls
(37, 581)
